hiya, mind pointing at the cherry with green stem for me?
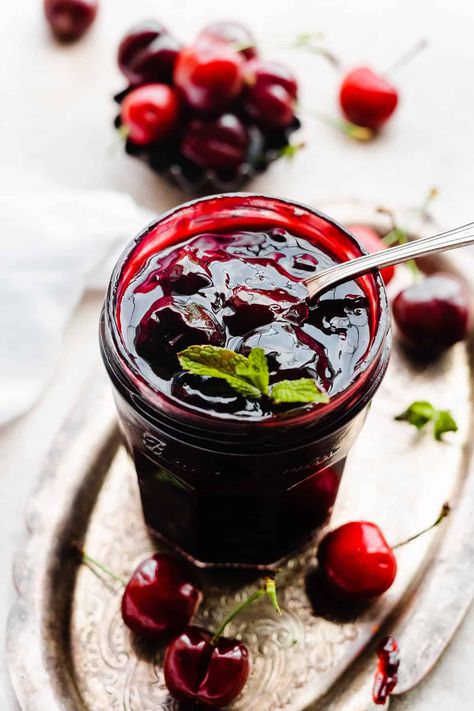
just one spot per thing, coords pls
(211, 669)
(160, 598)
(356, 563)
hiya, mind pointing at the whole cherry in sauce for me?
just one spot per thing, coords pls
(356, 561)
(148, 53)
(70, 19)
(206, 672)
(209, 76)
(434, 313)
(271, 94)
(233, 33)
(367, 99)
(220, 143)
(386, 676)
(149, 113)
(373, 242)
(160, 598)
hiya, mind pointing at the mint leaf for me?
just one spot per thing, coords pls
(215, 362)
(248, 376)
(421, 412)
(444, 422)
(301, 390)
(255, 369)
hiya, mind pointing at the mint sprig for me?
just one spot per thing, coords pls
(421, 412)
(248, 376)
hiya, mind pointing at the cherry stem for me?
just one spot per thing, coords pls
(397, 235)
(430, 196)
(91, 562)
(405, 58)
(268, 589)
(310, 41)
(123, 131)
(442, 515)
(358, 133)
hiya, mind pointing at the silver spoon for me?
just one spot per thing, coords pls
(457, 237)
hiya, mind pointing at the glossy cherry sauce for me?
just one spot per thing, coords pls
(240, 291)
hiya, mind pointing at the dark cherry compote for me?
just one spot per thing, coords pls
(229, 477)
(242, 290)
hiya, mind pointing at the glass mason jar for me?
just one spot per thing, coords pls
(226, 490)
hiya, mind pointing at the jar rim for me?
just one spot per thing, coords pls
(122, 369)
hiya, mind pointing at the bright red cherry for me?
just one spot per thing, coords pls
(160, 598)
(367, 99)
(271, 95)
(232, 33)
(70, 19)
(150, 113)
(202, 671)
(209, 76)
(148, 53)
(434, 313)
(356, 562)
(216, 143)
(373, 242)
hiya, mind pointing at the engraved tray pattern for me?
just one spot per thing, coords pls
(67, 645)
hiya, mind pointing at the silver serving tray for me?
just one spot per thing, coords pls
(68, 648)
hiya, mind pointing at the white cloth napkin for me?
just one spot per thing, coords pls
(52, 248)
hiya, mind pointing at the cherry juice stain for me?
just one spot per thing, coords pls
(386, 676)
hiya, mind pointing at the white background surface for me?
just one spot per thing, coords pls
(55, 131)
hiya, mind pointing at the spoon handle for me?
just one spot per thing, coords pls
(457, 237)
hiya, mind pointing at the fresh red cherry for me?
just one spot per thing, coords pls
(209, 76)
(216, 143)
(271, 95)
(434, 313)
(356, 562)
(198, 670)
(148, 53)
(262, 72)
(367, 99)
(149, 113)
(232, 33)
(160, 598)
(70, 19)
(373, 242)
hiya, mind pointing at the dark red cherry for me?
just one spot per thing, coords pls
(232, 33)
(372, 241)
(160, 598)
(150, 113)
(386, 676)
(356, 562)
(262, 72)
(188, 274)
(172, 324)
(216, 143)
(70, 19)
(271, 95)
(434, 313)
(209, 76)
(148, 53)
(367, 99)
(256, 307)
(212, 674)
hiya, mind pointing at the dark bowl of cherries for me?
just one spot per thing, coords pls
(207, 116)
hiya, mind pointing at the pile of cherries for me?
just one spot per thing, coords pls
(355, 565)
(433, 313)
(206, 115)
